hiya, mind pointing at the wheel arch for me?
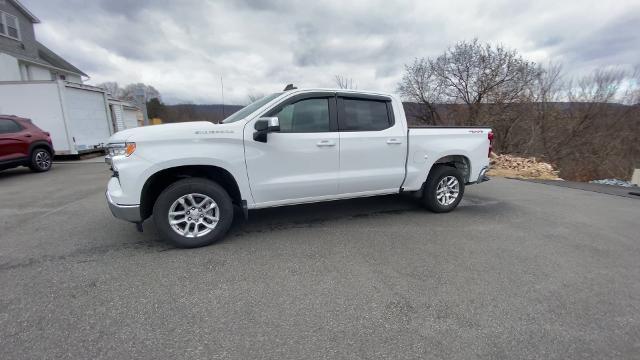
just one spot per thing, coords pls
(40, 144)
(460, 162)
(159, 181)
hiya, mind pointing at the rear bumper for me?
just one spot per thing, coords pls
(482, 177)
(125, 212)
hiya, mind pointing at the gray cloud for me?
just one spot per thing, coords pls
(184, 47)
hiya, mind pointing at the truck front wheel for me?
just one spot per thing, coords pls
(193, 212)
(443, 189)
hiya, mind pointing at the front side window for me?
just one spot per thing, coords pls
(9, 126)
(9, 25)
(305, 116)
(247, 110)
(364, 115)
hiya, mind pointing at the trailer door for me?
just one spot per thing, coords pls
(87, 118)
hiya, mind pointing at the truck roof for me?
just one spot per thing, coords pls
(351, 91)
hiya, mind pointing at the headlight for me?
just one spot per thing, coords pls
(126, 149)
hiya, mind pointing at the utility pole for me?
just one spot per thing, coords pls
(141, 98)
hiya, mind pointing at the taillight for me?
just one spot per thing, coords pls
(490, 137)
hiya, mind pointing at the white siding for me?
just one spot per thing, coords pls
(74, 79)
(39, 73)
(9, 68)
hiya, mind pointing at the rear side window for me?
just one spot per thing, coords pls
(9, 126)
(305, 116)
(364, 115)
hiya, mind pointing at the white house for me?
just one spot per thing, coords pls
(22, 57)
(37, 83)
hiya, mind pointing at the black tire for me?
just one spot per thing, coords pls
(430, 196)
(193, 186)
(40, 160)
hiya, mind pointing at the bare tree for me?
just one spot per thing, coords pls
(128, 92)
(588, 126)
(345, 83)
(112, 88)
(420, 84)
(473, 73)
(149, 92)
(546, 91)
(592, 134)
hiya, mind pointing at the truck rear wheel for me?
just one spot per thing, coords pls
(443, 189)
(193, 212)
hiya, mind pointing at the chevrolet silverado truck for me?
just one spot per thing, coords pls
(291, 147)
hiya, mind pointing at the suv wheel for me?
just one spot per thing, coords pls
(40, 160)
(443, 189)
(193, 212)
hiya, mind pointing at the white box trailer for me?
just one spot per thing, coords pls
(124, 114)
(79, 117)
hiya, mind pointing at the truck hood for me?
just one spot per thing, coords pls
(172, 131)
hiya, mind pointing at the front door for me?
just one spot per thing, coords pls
(301, 161)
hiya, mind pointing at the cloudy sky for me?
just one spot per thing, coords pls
(183, 47)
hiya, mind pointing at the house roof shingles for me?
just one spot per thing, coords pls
(25, 11)
(44, 53)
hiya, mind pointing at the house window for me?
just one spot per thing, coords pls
(9, 26)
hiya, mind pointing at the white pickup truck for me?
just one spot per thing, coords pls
(292, 147)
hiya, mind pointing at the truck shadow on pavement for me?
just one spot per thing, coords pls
(309, 215)
(303, 216)
(300, 216)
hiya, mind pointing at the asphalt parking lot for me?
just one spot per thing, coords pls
(520, 270)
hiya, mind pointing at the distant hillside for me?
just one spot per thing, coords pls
(189, 112)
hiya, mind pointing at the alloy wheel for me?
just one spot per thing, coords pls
(447, 190)
(43, 160)
(194, 215)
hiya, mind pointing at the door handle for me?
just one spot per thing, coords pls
(394, 141)
(326, 143)
(27, 135)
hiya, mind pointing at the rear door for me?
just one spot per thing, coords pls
(301, 161)
(372, 145)
(14, 141)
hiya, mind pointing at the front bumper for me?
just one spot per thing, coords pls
(125, 212)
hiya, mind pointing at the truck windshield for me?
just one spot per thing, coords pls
(245, 111)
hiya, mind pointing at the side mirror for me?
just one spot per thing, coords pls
(264, 126)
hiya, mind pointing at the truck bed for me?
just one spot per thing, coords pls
(425, 126)
(432, 144)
